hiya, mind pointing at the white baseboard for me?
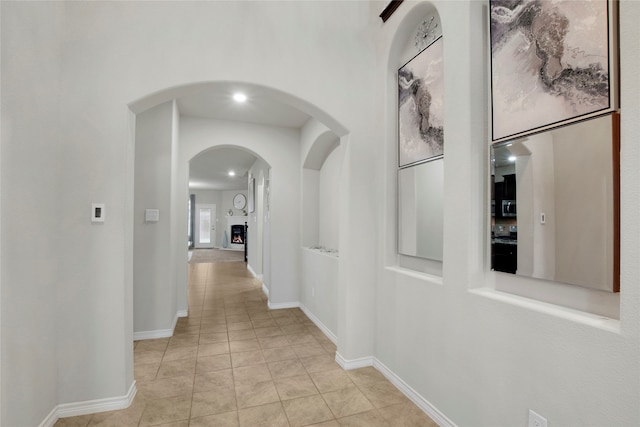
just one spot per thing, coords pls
(257, 276)
(413, 395)
(50, 419)
(160, 333)
(265, 290)
(348, 365)
(90, 407)
(319, 324)
(281, 305)
(183, 313)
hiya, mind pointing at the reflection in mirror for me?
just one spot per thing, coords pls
(420, 210)
(554, 205)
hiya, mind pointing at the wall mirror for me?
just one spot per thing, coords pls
(555, 205)
(420, 210)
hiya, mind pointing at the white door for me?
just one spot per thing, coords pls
(205, 227)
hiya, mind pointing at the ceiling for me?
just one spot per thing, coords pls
(209, 170)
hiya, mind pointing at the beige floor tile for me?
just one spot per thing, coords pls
(295, 387)
(256, 394)
(129, 417)
(306, 350)
(279, 353)
(293, 329)
(190, 320)
(142, 371)
(213, 349)
(264, 323)
(227, 419)
(244, 345)
(213, 337)
(247, 358)
(366, 375)
(307, 410)
(274, 342)
(152, 356)
(167, 410)
(406, 415)
(183, 341)
(239, 326)
(272, 331)
(382, 393)
(242, 335)
(299, 339)
(332, 380)
(207, 381)
(165, 387)
(184, 423)
(213, 363)
(286, 361)
(247, 375)
(332, 423)
(186, 330)
(347, 401)
(175, 368)
(257, 315)
(365, 419)
(270, 415)
(286, 321)
(213, 402)
(80, 421)
(178, 353)
(322, 362)
(155, 344)
(286, 368)
(213, 328)
(235, 318)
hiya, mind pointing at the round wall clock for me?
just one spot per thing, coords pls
(239, 201)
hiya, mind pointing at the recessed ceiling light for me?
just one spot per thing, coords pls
(232, 173)
(239, 97)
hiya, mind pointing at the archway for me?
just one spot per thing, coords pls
(158, 302)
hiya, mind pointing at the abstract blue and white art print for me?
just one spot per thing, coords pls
(421, 107)
(551, 63)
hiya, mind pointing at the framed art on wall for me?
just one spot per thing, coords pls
(421, 107)
(552, 63)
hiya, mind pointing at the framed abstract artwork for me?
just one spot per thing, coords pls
(421, 107)
(553, 62)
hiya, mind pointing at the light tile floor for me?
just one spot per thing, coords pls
(234, 362)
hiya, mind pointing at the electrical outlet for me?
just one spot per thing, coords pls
(536, 420)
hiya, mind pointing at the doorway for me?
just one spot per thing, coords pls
(205, 226)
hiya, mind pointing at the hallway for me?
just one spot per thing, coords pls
(234, 362)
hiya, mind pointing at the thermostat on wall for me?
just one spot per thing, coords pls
(97, 212)
(152, 215)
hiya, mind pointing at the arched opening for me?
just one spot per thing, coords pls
(416, 188)
(173, 129)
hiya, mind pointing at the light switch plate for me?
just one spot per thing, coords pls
(152, 215)
(97, 212)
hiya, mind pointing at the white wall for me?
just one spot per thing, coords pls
(482, 357)
(257, 219)
(154, 295)
(105, 57)
(329, 203)
(31, 220)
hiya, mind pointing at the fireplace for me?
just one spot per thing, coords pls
(237, 234)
